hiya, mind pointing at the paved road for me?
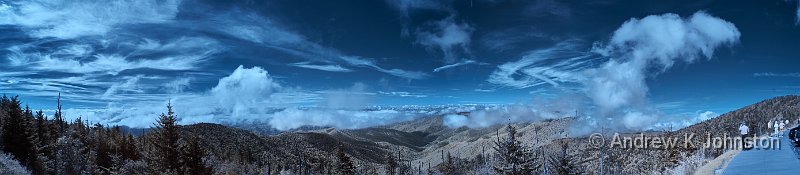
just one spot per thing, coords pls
(774, 162)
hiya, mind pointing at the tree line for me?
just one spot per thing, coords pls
(32, 142)
(51, 145)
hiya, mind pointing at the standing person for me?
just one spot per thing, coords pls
(775, 126)
(743, 129)
(782, 128)
(769, 124)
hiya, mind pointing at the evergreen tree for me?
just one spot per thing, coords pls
(165, 143)
(128, 149)
(449, 167)
(102, 149)
(391, 165)
(44, 143)
(18, 139)
(514, 158)
(193, 159)
(346, 166)
(563, 162)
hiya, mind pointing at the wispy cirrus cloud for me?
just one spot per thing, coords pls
(462, 63)
(258, 29)
(364, 62)
(179, 54)
(75, 18)
(329, 68)
(555, 65)
(771, 74)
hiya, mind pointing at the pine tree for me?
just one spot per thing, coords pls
(18, 139)
(391, 165)
(193, 159)
(165, 142)
(563, 162)
(449, 167)
(102, 149)
(44, 143)
(514, 158)
(128, 149)
(346, 166)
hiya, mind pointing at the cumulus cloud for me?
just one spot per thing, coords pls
(75, 18)
(250, 95)
(244, 90)
(448, 36)
(637, 50)
(649, 46)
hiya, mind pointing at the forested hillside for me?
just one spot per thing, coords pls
(37, 143)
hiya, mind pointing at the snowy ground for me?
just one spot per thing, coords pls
(778, 161)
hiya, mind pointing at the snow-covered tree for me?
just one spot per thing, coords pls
(10, 166)
(346, 166)
(514, 157)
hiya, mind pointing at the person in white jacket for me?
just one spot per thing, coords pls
(775, 125)
(743, 130)
(782, 128)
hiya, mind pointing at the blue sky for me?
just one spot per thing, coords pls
(118, 62)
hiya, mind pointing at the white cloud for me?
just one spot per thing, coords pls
(179, 54)
(178, 85)
(330, 68)
(638, 49)
(354, 97)
(130, 85)
(559, 107)
(402, 94)
(291, 118)
(254, 28)
(641, 45)
(363, 62)
(75, 18)
(462, 63)
(406, 6)
(770, 74)
(537, 67)
(243, 90)
(450, 37)
(685, 120)
(797, 13)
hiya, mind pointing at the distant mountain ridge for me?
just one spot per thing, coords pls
(425, 140)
